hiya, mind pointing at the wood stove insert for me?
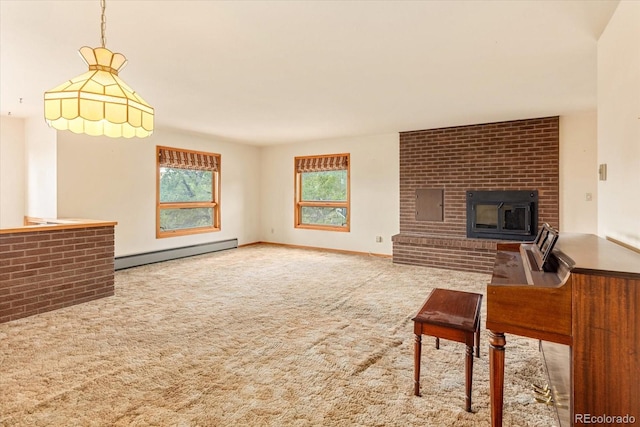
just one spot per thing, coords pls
(503, 215)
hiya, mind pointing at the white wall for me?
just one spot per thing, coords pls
(40, 155)
(619, 125)
(115, 179)
(578, 173)
(12, 172)
(374, 194)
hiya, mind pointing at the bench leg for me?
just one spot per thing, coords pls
(468, 365)
(416, 364)
(478, 339)
(437, 343)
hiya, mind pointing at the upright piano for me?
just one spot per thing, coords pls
(584, 307)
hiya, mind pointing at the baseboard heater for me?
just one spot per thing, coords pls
(136, 260)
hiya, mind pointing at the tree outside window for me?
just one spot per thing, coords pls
(188, 192)
(322, 192)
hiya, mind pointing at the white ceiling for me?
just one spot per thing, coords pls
(267, 72)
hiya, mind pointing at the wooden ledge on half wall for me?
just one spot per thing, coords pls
(37, 224)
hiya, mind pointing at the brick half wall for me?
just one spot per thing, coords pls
(513, 155)
(45, 270)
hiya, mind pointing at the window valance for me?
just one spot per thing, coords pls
(322, 163)
(187, 159)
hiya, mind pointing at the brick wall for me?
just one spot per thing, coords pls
(514, 155)
(46, 270)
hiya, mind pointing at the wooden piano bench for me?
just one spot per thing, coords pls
(452, 315)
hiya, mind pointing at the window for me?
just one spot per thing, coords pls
(322, 192)
(188, 192)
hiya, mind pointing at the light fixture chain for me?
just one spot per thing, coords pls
(103, 23)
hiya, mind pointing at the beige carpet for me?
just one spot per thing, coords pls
(257, 336)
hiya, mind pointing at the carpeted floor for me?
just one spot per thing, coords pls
(257, 336)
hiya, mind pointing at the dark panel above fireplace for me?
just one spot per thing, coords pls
(503, 215)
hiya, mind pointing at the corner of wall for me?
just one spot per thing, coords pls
(41, 156)
(619, 124)
(578, 177)
(12, 172)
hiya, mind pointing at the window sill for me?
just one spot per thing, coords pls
(344, 229)
(187, 232)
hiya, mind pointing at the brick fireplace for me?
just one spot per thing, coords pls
(442, 165)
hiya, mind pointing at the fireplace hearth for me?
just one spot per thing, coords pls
(503, 215)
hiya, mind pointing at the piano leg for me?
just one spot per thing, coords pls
(497, 342)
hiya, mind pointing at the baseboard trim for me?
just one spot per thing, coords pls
(316, 248)
(136, 260)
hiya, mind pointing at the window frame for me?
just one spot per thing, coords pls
(298, 203)
(215, 193)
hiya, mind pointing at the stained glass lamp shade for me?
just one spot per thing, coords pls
(98, 102)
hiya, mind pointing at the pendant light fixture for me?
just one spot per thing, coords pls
(98, 102)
